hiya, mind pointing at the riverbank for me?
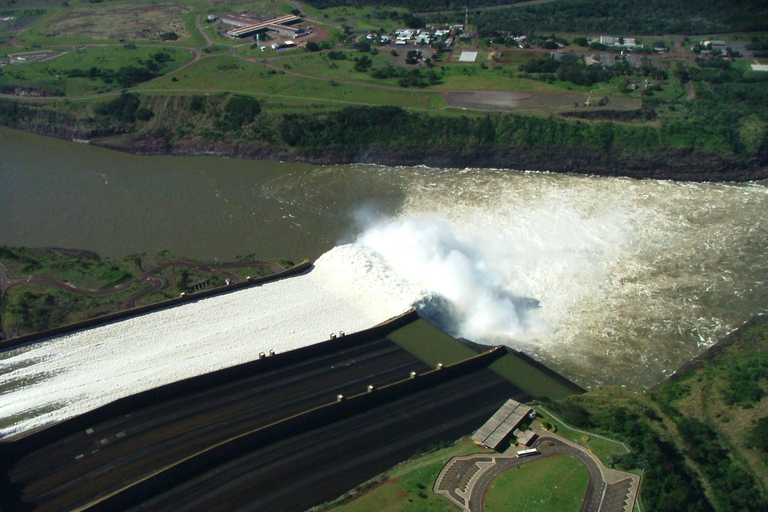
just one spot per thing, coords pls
(211, 125)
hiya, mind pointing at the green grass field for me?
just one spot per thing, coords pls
(229, 74)
(554, 484)
(369, 19)
(530, 378)
(117, 22)
(52, 74)
(430, 344)
(408, 487)
(601, 447)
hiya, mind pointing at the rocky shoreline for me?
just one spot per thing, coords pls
(163, 137)
(670, 163)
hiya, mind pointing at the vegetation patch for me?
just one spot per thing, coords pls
(118, 22)
(430, 344)
(54, 287)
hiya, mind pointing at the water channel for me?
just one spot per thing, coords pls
(609, 281)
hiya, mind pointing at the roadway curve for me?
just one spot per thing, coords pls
(464, 480)
(549, 447)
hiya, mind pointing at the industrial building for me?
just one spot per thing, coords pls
(249, 27)
(501, 424)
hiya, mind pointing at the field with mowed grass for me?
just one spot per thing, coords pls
(552, 484)
(604, 448)
(229, 74)
(95, 70)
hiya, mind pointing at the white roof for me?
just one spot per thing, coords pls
(468, 57)
(759, 67)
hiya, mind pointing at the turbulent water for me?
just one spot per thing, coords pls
(609, 281)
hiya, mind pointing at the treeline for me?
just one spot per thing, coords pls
(669, 484)
(629, 17)
(570, 68)
(413, 5)
(674, 150)
(358, 127)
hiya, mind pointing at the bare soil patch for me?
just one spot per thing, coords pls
(510, 101)
(123, 22)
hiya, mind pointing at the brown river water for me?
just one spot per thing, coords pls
(607, 280)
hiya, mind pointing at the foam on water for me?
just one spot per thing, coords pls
(608, 280)
(347, 290)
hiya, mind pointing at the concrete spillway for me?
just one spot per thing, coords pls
(68, 375)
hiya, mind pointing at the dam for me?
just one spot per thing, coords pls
(126, 417)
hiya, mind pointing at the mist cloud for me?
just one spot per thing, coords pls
(461, 292)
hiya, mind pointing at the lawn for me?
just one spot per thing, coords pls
(601, 447)
(365, 19)
(528, 377)
(554, 484)
(430, 344)
(230, 74)
(117, 22)
(52, 75)
(408, 487)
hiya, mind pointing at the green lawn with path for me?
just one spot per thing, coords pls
(554, 484)
(602, 447)
(230, 74)
(52, 75)
(408, 487)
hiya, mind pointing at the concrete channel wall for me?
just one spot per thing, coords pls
(219, 455)
(10, 451)
(548, 371)
(142, 310)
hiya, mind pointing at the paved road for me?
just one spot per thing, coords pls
(465, 480)
(549, 447)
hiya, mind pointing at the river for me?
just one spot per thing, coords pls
(609, 281)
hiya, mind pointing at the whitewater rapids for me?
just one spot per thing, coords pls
(66, 376)
(605, 280)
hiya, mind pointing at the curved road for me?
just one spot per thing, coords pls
(464, 480)
(549, 447)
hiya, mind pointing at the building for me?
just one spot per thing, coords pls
(618, 41)
(502, 424)
(253, 27)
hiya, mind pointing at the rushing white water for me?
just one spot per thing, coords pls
(71, 374)
(606, 280)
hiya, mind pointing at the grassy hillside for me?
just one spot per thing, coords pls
(673, 113)
(699, 437)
